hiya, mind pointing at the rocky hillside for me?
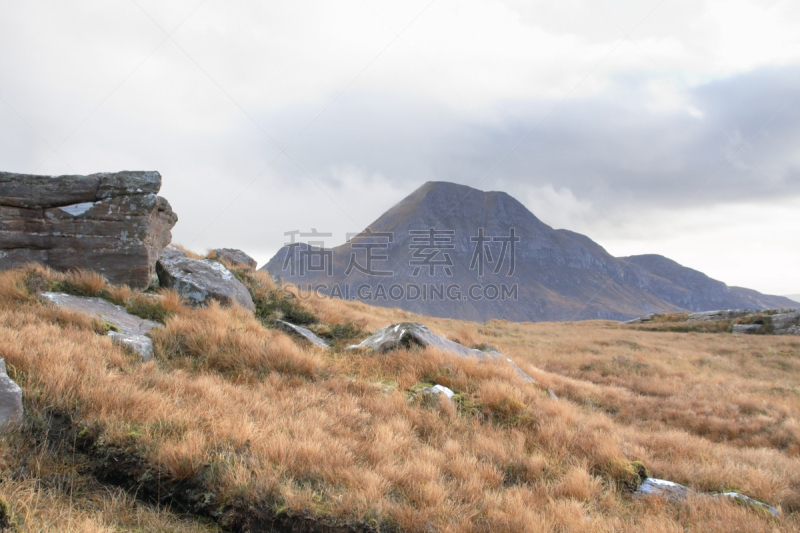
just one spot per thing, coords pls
(556, 274)
(217, 400)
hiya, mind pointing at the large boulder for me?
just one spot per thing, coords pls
(409, 334)
(10, 399)
(110, 222)
(201, 280)
(128, 330)
(235, 257)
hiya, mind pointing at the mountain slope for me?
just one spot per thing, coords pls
(556, 274)
(693, 290)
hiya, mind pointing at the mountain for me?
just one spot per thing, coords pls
(428, 249)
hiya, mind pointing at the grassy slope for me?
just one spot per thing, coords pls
(243, 422)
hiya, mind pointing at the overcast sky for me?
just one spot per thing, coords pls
(668, 127)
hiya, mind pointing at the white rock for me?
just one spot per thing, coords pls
(441, 389)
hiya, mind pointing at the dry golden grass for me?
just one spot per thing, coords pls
(263, 420)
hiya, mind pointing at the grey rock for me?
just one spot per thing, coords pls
(741, 498)
(722, 314)
(674, 491)
(111, 222)
(10, 399)
(786, 322)
(747, 328)
(302, 332)
(409, 334)
(235, 257)
(132, 329)
(661, 487)
(201, 280)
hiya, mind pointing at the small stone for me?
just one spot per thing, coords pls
(441, 389)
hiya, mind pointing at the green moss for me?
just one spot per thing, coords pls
(467, 405)
(628, 475)
(147, 308)
(338, 332)
(7, 522)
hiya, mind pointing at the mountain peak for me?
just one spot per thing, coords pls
(487, 244)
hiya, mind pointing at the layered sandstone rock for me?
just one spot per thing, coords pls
(110, 222)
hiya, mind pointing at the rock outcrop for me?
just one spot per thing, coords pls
(300, 331)
(128, 330)
(113, 223)
(201, 280)
(235, 257)
(10, 399)
(723, 314)
(743, 321)
(410, 334)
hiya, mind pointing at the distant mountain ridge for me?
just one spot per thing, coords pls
(557, 274)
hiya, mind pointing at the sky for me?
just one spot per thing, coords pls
(668, 127)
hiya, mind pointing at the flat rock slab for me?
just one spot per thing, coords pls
(111, 222)
(132, 329)
(302, 332)
(10, 399)
(201, 280)
(235, 257)
(746, 500)
(723, 314)
(674, 491)
(409, 334)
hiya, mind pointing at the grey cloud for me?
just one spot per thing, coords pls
(611, 149)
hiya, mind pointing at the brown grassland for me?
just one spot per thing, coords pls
(253, 423)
